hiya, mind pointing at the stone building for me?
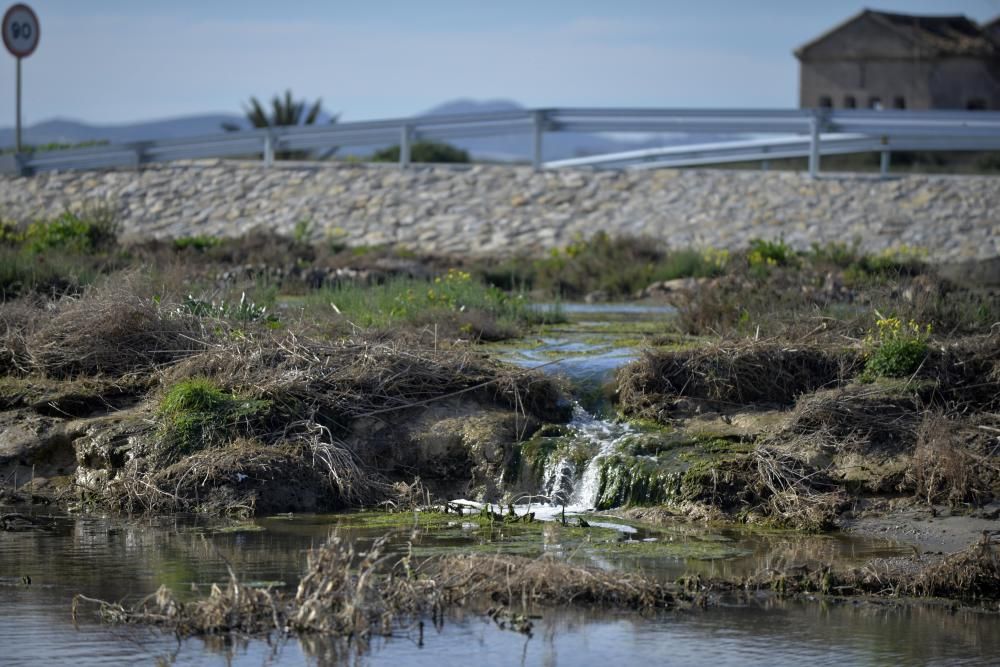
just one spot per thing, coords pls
(898, 61)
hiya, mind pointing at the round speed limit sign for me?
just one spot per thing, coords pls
(20, 30)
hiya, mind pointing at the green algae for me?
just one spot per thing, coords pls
(664, 470)
(669, 547)
(401, 520)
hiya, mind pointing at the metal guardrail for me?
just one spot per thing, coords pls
(818, 132)
(763, 150)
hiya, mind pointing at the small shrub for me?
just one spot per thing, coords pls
(895, 349)
(841, 255)
(200, 242)
(94, 228)
(303, 231)
(336, 240)
(765, 254)
(10, 234)
(424, 151)
(690, 263)
(901, 260)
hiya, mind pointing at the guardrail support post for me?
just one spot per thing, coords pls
(883, 165)
(14, 164)
(814, 146)
(268, 150)
(405, 135)
(538, 118)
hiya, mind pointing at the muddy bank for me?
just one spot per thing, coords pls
(932, 529)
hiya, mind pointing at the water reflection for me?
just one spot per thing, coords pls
(118, 559)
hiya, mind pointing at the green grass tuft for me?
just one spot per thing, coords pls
(196, 413)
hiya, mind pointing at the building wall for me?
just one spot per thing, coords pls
(866, 80)
(945, 84)
(864, 60)
(957, 81)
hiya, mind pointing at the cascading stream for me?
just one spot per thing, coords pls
(560, 480)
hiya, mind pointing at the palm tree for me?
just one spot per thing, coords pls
(284, 113)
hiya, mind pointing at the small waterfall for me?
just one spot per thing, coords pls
(560, 480)
(557, 481)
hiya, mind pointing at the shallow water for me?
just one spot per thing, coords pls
(588, 349)
(124, 560)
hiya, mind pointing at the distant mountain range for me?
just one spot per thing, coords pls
(557, 145)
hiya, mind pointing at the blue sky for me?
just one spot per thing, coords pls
(109, 61)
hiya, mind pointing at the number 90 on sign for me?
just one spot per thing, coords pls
(20, 30)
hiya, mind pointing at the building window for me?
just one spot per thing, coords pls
(850, 102)
(899, 103)
(825, 102)
(976, 104)
(875, 103)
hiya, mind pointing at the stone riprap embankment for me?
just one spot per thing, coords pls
(501, 209)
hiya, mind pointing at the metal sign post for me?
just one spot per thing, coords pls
(20, 35)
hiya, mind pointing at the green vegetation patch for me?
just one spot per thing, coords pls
(894, 348)
(200, 242)
(245, 310)
(617, 266)
(666, 546)
(196, 414)
(424, 151)
(454, 299)
(58, 255)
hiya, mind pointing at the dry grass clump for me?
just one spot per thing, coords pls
(739, 373)
(792, 493)
(864, 415)
(520, 582)
(970, 574)
(355, 378)
(246, 477)
(17, 319)
(342, 592)
(966, 372)
(106, 331)
(955, 460)
(362, 594)
(769, 487)
(276, 427)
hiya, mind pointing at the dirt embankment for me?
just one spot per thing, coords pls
(130, 403)
(817, 442)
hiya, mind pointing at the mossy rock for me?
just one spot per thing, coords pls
(681, 471)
